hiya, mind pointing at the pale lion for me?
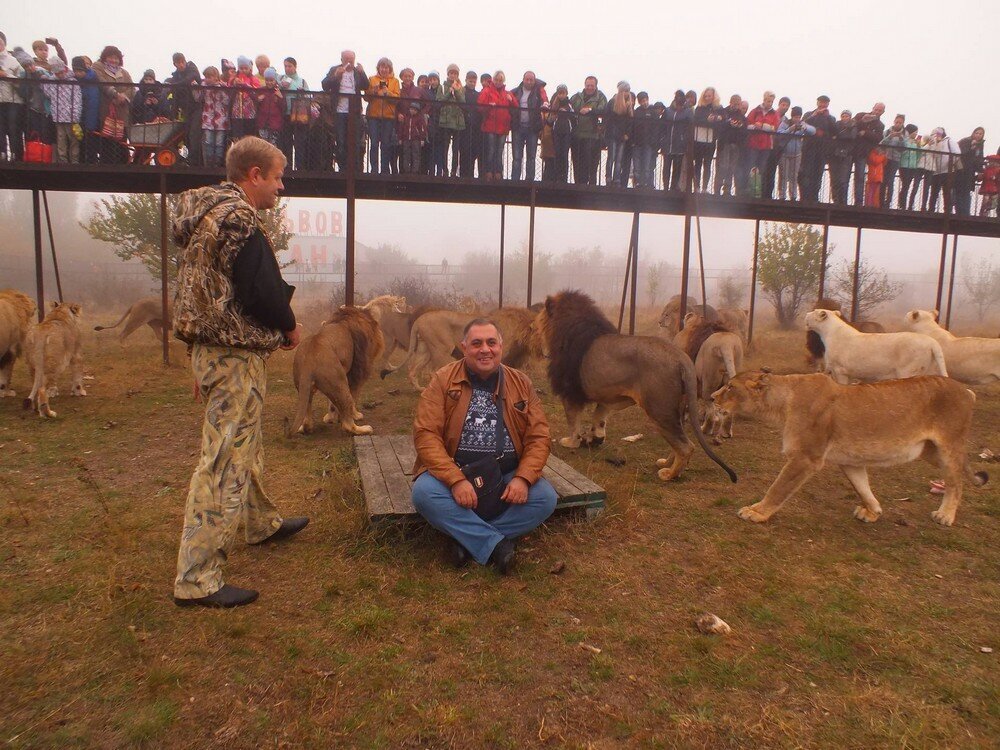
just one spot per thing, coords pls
(970, 359)
(16, 312)
(850, 354)
(49, 348)
(147, 311)
(854, 427)
(336, 361)
(433, 338)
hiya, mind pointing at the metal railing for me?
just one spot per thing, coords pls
(428, 138)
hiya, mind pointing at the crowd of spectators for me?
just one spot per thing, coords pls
(477, 127)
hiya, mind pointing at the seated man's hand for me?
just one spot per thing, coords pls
(464, 494)
(516, 492)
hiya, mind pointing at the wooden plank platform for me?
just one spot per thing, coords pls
(386, 463)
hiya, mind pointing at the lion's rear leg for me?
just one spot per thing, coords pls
(871, 510)
(342, 401)
(952, 464)
(42, 402)
(6, 374)
(76, 365)
(599, 422)
(131, 326)
(421, 359)
(795, 473)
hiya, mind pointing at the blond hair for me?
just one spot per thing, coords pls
(249, 152)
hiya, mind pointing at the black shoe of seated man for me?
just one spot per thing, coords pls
(225, 598)
(289, 527)
(458, 555)
(502, 557)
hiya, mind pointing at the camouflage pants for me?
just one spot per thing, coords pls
(226, 485)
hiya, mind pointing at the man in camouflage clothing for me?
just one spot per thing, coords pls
(232, 309)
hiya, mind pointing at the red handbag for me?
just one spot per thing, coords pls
(36, 151)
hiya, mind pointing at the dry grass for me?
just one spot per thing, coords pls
(844, 634)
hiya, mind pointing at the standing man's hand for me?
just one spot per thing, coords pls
(292, 338)
(516, 492)
(464, 494)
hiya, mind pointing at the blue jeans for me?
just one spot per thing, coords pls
(213, 147)
(432, 499)
(645, 159)
(522, 138)
(493, 153)
(381, 134)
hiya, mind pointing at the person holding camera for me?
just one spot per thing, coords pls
(382, 96)
(482, 440)
(342, 83)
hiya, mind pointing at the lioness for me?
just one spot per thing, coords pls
(433, 338)
(147, 311)
(718, 361)
(970, 359)
(16, 311)
(856, 426)
(49, 348)
(336, 361)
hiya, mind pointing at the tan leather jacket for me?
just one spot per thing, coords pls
(441, 412)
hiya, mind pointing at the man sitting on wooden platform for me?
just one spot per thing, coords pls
(457, 432)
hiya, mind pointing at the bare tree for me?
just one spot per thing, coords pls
(654, 280)
(982, 282)
(874, 287)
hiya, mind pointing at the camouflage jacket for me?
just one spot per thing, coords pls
(211, 226)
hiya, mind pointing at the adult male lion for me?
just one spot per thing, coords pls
(336, 361)
(589, 362)
(970, 359)
(670, 317)
(16, 312)
(854, 427)
(147, 311)
(49, 348)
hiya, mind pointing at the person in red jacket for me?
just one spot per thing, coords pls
(990, 185)
(761, 123)
(876, 173)
(495, 102)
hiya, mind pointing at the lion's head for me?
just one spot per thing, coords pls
(366, 338)
(69, 312)
(921, 320)
(564, 331)
(744, 394)
(384, 303)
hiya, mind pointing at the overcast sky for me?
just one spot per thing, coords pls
(937, 64)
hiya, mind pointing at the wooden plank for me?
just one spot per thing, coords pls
(405, 452)
(563, 488)
(568, 472)
(399, 484)
(374, 486)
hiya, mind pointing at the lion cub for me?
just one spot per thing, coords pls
(49, 348)
(856, 426)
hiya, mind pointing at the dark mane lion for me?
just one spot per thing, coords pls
(570, 321)
(363, 328)
(700, 334)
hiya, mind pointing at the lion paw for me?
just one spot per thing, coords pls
(4, 391)
(666, 474)
(943, 518)
(750, 513)
(863, 514)
(569, 442)
(47, 413)
(358, 416)
(362, 429)
(662, 462)
(330, 418)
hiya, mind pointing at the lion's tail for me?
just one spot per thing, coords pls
(122, 320)
(691, 388)
(304, 385)
(414, 340)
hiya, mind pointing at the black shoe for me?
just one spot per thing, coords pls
(458, 555)
(289, 527)
(503, 557)
(226, 597)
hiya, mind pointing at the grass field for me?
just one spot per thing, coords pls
(844, 634)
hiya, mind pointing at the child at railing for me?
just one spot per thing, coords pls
(876, 173)
(412, 135)
(270, 109)
(244, 115)
(990, 185)
(791, 154)
(66, 104)
(214, 116)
